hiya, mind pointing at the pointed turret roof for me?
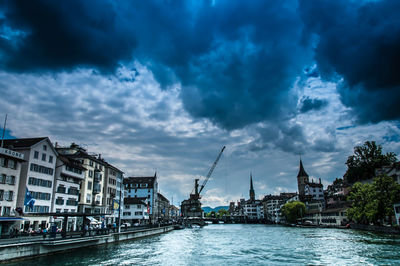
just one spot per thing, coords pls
(252, 193)
(302, 172)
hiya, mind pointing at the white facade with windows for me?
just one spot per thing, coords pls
(253, 210)
(135, 211)
(69, 175)
(10, 168)
(37, 176)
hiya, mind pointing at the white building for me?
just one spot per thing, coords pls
(10, 169)
(113, 192)
(144, 189)
(37, 176)
(91, 200)
(68, 178)
(135, 211)
(252, 208)
(273, 204)
(397, 213)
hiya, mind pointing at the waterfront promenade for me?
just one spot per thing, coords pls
(32, 246)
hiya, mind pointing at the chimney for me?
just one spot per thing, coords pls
(56, 145)
(320, 180)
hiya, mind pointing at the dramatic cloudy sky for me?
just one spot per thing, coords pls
(162, 85)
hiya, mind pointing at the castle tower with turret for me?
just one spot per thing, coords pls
(302, 180)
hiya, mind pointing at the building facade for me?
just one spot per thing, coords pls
(37, 178)
(68, 178)
(144, 189)
(113, 192)
(10, 169)
(135, 211)
(91, 191)
(163, 208)
(253, 209)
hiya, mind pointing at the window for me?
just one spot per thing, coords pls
(88, 198)
(45, 147)
(89, 185)
(39, 182)
(6, 211)
(12, 164)
(50, 159)
(8, 195)
(90, 163)
(1, 194)
(90, 173)
(139, 206)
(10, 180)
(40, 195)
(36, 155)
(3, 162)
(41, 169)
(3, 178)
(44, 157)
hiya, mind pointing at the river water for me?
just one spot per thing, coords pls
(240, 244)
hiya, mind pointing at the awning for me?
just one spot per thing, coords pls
(11, 219)
(92, 220)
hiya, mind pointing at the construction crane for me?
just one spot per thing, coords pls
(192, 206)
(211, 170)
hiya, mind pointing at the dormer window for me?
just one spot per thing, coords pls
(45, 147)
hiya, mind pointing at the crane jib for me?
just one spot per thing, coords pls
(211, 169)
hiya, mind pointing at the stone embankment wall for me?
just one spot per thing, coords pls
(42, 247)
(374, 228)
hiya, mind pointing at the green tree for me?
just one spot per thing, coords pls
(222, 212)
(387, 193)
(366, 159)
(361, 196)
(293, 211)
(373, 203)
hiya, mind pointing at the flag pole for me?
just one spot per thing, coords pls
(4, 130)
(119, 205)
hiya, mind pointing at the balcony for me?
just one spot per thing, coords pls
(74, 192)
(59, 202)
(96, 188)
(72, 203)
(61, 190)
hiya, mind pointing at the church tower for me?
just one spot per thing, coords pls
(252, 193)
(302, 179)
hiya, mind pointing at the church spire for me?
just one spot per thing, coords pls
(302, 172)
(252, 193)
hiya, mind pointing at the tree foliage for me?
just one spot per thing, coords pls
(366, 159)
(373, 203)
(222, 212)
(293, 211)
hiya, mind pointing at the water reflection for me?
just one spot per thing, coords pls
(241, 245)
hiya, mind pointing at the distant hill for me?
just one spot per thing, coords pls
(208, 209)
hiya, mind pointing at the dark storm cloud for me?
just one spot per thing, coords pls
(285, 137)
(359, 41)
(236, 61)
(308, 104)
(52, 35)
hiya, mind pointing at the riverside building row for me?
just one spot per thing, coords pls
(38, 180)
(323, 207)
